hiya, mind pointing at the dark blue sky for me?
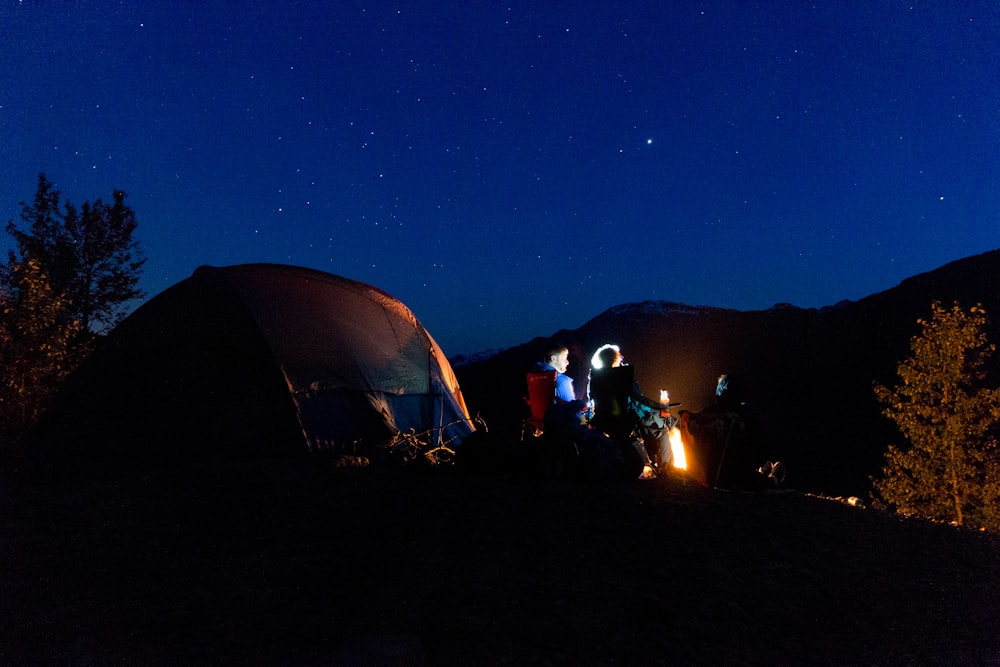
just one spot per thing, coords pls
(510, 169)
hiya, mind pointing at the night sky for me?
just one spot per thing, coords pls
(511, 169)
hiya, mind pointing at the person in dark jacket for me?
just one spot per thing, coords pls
(625, 414)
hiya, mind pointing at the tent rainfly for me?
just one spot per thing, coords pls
(251, 360)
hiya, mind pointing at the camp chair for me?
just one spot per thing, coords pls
(541, 393)
(610, 389)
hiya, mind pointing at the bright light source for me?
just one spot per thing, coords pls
(677, 449)
(595, 361)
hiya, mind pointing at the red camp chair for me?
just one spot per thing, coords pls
(541, 393)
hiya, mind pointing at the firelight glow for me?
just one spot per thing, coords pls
(677, 449)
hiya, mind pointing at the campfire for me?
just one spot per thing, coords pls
(677, 449)
(679, 460)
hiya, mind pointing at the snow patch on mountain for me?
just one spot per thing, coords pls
(657, 308)
(460, 360)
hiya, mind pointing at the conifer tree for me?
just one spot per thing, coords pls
(950, 470)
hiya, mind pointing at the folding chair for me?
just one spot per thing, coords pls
(610, 389)
(541, 394)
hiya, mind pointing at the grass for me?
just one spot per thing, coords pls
(311, 566)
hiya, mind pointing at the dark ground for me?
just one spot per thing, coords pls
(325, 566)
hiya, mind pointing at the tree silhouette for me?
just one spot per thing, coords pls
(70, 278)
(89, 255)
(950, 470)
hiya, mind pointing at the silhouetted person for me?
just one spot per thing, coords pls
(624, 414)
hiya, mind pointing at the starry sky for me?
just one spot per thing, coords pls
(509, 169)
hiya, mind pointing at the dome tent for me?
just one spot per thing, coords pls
(252, 360)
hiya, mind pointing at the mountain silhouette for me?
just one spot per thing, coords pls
(807, 373)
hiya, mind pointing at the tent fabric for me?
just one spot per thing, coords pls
(338, 341)
(237, 357)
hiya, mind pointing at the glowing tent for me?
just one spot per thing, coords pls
(257, 360)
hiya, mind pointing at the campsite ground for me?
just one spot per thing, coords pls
(283, 565)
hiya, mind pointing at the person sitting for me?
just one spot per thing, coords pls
(557, 415)
(567, 412)
(625, 415)
(557, 359)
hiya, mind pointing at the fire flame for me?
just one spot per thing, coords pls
(677, 449)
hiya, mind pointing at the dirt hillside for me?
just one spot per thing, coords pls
(320, 566)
